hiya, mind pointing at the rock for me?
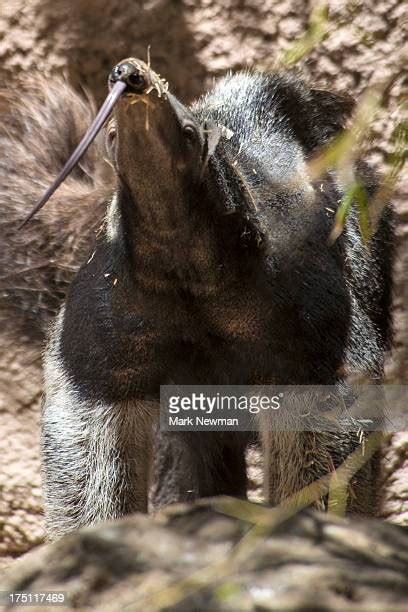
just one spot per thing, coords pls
(395, 470)
(209, 556)
(20, 492)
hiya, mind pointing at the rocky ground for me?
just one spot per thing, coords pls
(209, 556)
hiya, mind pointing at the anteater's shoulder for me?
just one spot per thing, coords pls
(283, 102)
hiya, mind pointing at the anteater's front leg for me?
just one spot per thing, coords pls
(300, 455)
(295, 460)
(96, 457)
(96, 461)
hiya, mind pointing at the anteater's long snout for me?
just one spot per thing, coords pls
(129, 77)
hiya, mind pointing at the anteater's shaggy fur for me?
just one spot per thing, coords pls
(249, 292)
(40, 124)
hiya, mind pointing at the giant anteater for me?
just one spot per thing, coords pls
(212, 266)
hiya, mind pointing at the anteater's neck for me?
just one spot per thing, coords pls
(167, 245)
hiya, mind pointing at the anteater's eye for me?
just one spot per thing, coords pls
(137, 82)
(110, 135)
(190, 133)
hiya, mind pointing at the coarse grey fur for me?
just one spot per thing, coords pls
(98, 443)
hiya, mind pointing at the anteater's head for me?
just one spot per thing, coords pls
(157, 147)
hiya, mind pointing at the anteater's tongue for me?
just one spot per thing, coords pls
(106, 108)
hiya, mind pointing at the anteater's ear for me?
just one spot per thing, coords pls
(212, 138)
(329, 112)
(214, 134)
